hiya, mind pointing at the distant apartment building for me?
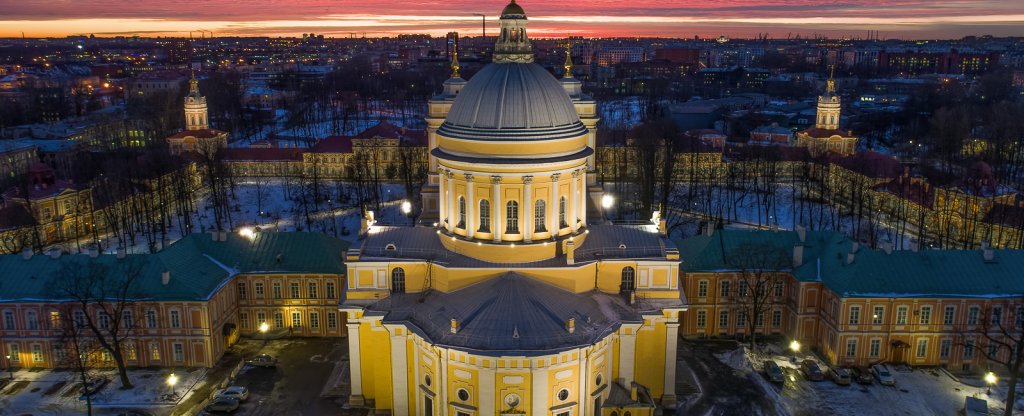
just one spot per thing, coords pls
(952, 61)
(614, 55)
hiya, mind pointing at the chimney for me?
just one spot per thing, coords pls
(887, 246)
(455, 326)
(798, 255)
(26, 253)
(94, 251)
(801, 233)
(854, 247)
(122, 253)
(213, 235)
(988, 254)
(632, 392)
(165, 278)
(223, 235)
(571, 326)
(849, 257)
(915, 245)
(709, 229)
(55, 253)
(570, 255)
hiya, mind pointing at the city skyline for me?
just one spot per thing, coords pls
(646, 18)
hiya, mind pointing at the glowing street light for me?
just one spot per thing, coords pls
(10, 368)
(990, 379)
(406, 207)
(264, 327)
(171, 381)
(607, 201)
(794, 346)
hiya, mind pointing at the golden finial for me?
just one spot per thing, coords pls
(568, 55)
(455, 61)
(830, 85)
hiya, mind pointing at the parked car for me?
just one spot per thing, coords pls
(263, 360)
(772, 372)
(222, 405)
(234, 392)
(882, 374)
(811, 370)
(92, 386)
(839, 375)
(862, 375)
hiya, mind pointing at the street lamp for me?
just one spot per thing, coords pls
(171, 381)
(407, 210)
(607, 201)
(990, 379)
(794, 346)
(10, 368)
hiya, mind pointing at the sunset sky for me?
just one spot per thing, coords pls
(673, 18)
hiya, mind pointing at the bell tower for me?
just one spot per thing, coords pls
(828, 106)
(513, 44)
(195, 107)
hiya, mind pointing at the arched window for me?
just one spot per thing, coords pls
(832, 119)
(539, 208)
(485, 216)
(561, 213)
(628, 279)
(398, 280)
(462, 212)
(512, 217)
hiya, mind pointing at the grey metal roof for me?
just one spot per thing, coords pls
(509, 315)
(508, 160)
(622, 242)
(512, 101)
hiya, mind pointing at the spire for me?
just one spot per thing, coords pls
(568, 55)
(455, 61)
(193, 84)
(830, 85)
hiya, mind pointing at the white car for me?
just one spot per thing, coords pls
(234, 392)
(882, 374)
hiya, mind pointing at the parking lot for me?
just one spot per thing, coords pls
(294, 385)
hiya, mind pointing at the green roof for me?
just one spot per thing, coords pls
(873, 273)
(198, 265)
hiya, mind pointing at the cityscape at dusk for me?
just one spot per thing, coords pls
(909, 19)
(512, 208)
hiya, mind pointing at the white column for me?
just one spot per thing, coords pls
(354, 365)
(442, 197)
(539, 392)
(453, 211)
(399, 372)
(527, 208)
(627, 357)
(671, 337)
(553, 206)
(584, 196)
(487, 392)
(496, 207)
(575, 201)
(470, 207)
(442, 384)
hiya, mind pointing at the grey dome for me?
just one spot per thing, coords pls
(512, 101)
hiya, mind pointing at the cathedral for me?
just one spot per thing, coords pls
(826, 137)
(520, 299)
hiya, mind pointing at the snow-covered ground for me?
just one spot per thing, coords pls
(919, 391)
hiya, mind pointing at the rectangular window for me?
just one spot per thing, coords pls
(743, 288)
(878, 316)
(261, 317)
(154, 351)
(854, 315)
(725, 288)
(79, 319)
(948, 315)
(278, 320)
(779, 289)
(1019, 317)
(926, 315)
(972, 315)
(104, 319)
(922, 348)
(944, 348)
(33, 320)
(968, 349)
(241, 290)
(179, 352)
(776, 319)
(15, 352)
(37, 353)
(332, 320)
(58, 354)
(329, 287)
(851, 348)
(127, 319)
(759, 322)
(151, 318)
(875, 347)
(314, 320)
(702, 319)
(997, 316)
(175, 319)
(296, 319)
(55, 320)
(741, 319)
(723, 319)
(243, 320)
(993, 351)
(312, 290)
(9, 320)
(901, 315)
(295, 290)
(258, 290)
(277, 290)
(428, 406)
(702, 289)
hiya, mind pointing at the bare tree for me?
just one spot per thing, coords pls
(1002, 344)
(104, 296)
(760, 279)
(77, 345)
